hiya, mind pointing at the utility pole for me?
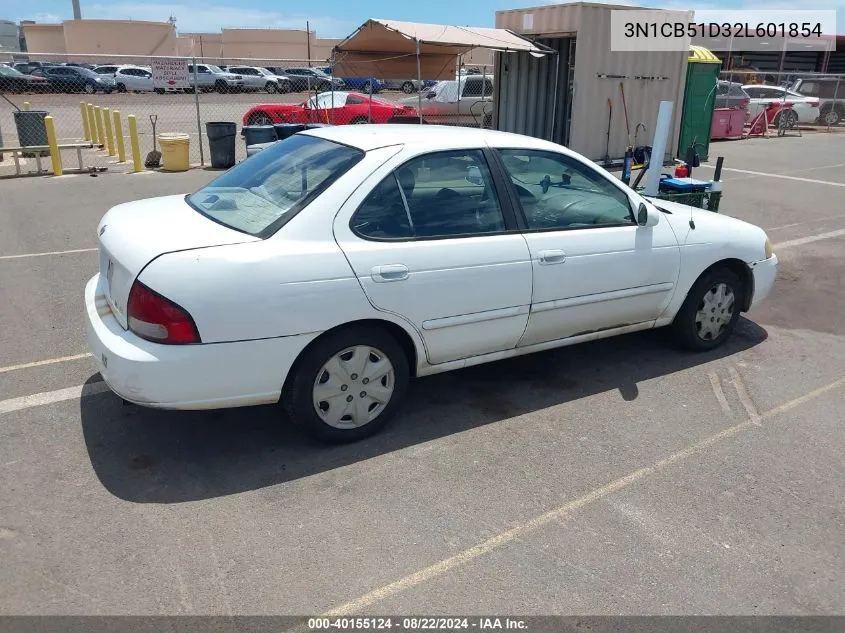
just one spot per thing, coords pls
(77, 12)
(308, 41)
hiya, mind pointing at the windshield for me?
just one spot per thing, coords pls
(214, 69)
(264, 71)
(10, 72)
(85, 71)
(261, 194)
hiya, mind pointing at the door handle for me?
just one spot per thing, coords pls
(390, 272)
(554, 256)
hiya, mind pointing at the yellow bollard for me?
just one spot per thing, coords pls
(101, 135)
(109, 137)
(83, 109)
(133, 140)
(92, 125)
(55, 157)
(26, 106)
(118, 135)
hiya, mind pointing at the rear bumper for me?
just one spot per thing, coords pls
(765, 271)
(206, 376)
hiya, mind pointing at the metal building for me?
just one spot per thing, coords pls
(589, 77)
(9, 37)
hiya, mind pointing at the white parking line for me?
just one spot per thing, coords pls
(841, 216)
(768, 175)
(809, 239)
(50, 397)
(556, 514)
(76, 250)
(39, 363)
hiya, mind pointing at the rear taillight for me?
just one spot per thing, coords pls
(813, 103)
(157, 319)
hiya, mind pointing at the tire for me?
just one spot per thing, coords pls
(271, 87)
(160, 91)
(367, 88)
(309, 373)
(285, 87)
(831, 116)
(121, 88)
(361, 120)
(789, 118)
(408, 87)
(690, 326)
(89, 89)
(221, 87)
(259, 118)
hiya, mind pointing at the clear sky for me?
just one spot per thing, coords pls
(334, 18)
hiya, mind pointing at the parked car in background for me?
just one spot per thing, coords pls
(408, 86)
(326, 271)
(830, 91)
(802, 110)
(12, 80)
(312, 79)
(27, 67)
(210, 77)
(337, 108)
(363, 84)
(106, 69)
(256, 78)
(467, 101)
(75, 79)
(731, 95)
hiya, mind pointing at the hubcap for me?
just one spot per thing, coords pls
(353, 387)
(831, 118)
(714, 312)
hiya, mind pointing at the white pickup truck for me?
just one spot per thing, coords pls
(210, 77)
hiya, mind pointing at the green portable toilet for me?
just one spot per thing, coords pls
(699, 100)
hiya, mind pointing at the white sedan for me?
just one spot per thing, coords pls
(327, 270)
(803, 109)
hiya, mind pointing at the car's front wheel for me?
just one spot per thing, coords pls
(89, 88)
(408, 87)
(347, 385)
(271, 87)
(711, 310)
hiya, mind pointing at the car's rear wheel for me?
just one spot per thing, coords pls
(89, 89)
(368, 87)
(711, 310)
(259, 118)
(121, 88)
(348, 384)
(221, 87)
(359, 120)
(407, 87)
(831, 116)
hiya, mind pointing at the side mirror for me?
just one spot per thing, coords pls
(646, 216)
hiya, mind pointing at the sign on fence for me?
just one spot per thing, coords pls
(170, 73)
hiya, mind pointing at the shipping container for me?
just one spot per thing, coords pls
(591, 79)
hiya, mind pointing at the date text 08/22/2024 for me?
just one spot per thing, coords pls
(415, 623)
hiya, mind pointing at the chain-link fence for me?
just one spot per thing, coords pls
(791, 100)
(89, 99)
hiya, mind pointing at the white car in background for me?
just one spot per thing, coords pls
(803, 109)
(327, 270)
(261, 79)
(131, 78)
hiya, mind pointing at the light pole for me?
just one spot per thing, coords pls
(77, 12)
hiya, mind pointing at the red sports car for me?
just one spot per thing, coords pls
(337, 108)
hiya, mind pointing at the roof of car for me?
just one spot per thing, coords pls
(370, 137)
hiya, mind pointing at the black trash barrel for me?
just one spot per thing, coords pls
(31, 128)
(221, 143)
(255, 134)
(284, 130)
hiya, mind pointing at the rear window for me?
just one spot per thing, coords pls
(259, 195)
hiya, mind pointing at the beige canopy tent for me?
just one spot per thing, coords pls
(391, 49)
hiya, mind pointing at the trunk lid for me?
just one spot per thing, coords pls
(131, 235)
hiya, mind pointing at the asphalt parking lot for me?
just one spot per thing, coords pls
(616, 477)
